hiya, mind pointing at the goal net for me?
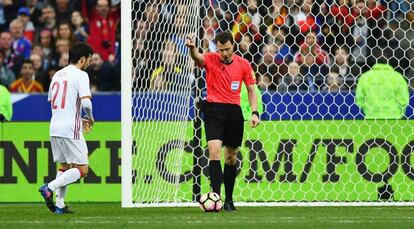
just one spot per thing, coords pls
(320, 141)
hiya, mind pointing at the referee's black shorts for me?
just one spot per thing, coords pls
(224, 122)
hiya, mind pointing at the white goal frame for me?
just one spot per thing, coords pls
(127, 141)
(126, 103)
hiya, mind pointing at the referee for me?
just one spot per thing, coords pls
(223, 119)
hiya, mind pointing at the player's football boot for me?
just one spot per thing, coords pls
(64, 210)
(47, 194)
(229, 206)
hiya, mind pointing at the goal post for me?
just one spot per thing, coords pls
(160, 93)
(314, 146)
(126, 103)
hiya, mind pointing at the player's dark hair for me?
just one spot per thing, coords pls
(223, 37)
(79, 50)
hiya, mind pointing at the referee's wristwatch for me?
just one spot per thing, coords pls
(256, 113)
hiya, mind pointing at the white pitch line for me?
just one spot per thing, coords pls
(236, 220)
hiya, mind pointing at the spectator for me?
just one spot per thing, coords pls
(382, 93)
(167, 11)
(141, 77)
(81, 28)
(37, 49)
(410, 15)
(305, 20)
(293, 81)
(245, 22)
(102, 31)
(277, 15)
(25, 83)
(155, 35)
(63, 60)
(6, 75)
(400, 9)
(253, 11)
(12, 60)
(400, 43)
(65, 32)
(46, 42)
(141, 72)
(3, 22)
(341, 61)
(314, 62)
(376, 10)
(24, 17)
(208, 41)
(343, 68)
(35, 8)
(267, 69)
(51, 71)
(63, 10)
(21, 45)
(342, 12)
(48, 18)
(284, 51)
(62, 47)
(313, 65)
(10, 9)
(280, 21)
(343, 22)
(311, 49)
(210, 28)
(86, 7)
(265, 83)
(247, 49)
(141, 28)
(165, 76)
(181, 26)
(101, 74)
(224, 8)
(334, 81)
(40, 74)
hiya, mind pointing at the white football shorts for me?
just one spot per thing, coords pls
(70, 151)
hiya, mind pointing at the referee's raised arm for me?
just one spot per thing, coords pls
(195, 55)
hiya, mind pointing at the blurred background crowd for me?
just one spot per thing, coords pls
(293, 45)
(35, 36)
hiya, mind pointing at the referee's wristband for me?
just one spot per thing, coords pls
(256, 113)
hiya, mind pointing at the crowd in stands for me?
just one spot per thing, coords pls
(35, 37)
(293, 45)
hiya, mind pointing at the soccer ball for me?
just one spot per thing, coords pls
(210, 202)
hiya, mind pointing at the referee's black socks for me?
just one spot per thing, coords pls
(216, 175)
(229, 179)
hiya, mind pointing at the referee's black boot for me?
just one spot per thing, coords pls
(229, 206)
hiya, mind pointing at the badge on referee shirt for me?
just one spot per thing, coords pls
(235, 85)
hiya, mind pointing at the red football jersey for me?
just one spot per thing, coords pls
(224, 81)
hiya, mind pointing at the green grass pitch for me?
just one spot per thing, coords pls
(111, 215)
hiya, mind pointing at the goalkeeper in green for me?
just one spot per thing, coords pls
(382, 93)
